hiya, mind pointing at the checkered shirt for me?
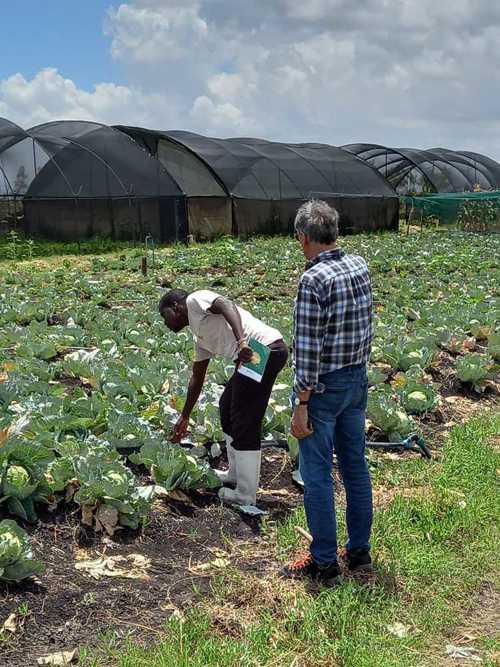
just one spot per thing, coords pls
(332, 318)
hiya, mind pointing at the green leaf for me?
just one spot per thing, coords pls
(16, 559)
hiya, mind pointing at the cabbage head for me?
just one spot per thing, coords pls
(59, 473)
(402, 426)
(16, 559)
(417, 398)
(442, 335)
(116, 483)
(11, 547)
(415, 374)
(377, 353)
(420, 357)
(17, 483)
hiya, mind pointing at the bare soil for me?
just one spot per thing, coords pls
(66, 607)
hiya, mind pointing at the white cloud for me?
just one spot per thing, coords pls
(418, 72)
(328, 70)
(215, 118)
(144, 33)
(231, 86)
(49, 96)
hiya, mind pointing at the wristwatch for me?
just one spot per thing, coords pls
(297, 401)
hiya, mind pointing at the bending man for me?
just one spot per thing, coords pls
(220, 328)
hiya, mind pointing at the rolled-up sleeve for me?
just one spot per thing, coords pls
(309, 332)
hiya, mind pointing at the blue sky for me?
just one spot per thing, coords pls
(412, 73)
(67, 35)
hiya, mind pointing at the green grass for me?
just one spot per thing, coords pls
(433, 550)
(15, 246)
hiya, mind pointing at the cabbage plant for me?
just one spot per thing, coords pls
(479, 330)
(402, 355)
(109, 486)
(22, 483)
(418, 356)
(474, 368)
(93, 475)
(494, 345)
(377, 374)
(388, 416)
(417, 398)
(16, 558)
(172, 467)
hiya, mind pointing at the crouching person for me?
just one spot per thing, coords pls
(220, 328)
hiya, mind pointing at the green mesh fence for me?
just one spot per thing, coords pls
(468, 211)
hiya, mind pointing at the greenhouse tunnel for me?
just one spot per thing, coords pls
(13, 175)
(411, 170)
(73, 180)
(208, 203)
(248, 186)
(82, 179)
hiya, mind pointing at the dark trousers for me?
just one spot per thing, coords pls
(244, 401)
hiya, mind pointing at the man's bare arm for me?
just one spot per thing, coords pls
(195, 386)
(227, 308)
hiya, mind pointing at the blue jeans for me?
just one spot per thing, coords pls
(338, 419)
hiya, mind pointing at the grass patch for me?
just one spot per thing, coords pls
(433, 551)
(15, 246)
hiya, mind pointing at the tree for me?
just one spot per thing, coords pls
(21, 182)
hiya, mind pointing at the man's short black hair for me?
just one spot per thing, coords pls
(171, 298)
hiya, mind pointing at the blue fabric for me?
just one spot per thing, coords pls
(338, 418)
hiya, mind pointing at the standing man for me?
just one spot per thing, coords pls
(332, 340)
(220, 328)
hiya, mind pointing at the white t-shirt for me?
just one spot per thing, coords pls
(212, 334)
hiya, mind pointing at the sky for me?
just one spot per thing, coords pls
(419, 73)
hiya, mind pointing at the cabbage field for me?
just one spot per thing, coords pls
(91, 380)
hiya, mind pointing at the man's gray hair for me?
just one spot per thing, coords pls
(318, 221)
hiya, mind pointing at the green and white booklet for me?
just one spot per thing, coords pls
(255, 368)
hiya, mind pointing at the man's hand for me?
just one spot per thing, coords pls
(300, 423)
(245, 353)
(180, 429)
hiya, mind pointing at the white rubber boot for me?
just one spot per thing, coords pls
(228, 476)
(247, 479)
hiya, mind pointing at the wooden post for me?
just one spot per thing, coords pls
(144, 266)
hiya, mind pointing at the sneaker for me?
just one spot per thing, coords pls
(306, 567)
(358, 560)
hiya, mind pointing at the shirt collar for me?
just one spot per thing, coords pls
(326, 256)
